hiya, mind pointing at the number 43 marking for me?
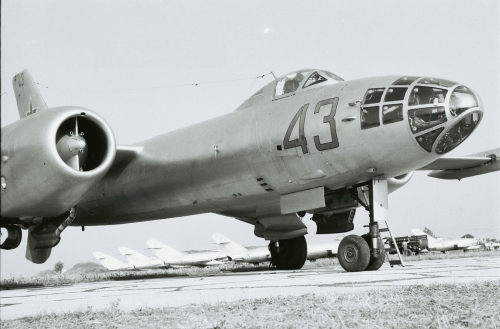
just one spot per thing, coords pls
(302, 141)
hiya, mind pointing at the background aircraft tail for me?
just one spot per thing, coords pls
(106, 261)
(132, 256)
(28, 97)
(162, 251)
(228, 246)
(430, 239)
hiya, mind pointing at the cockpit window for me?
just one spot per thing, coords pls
(458, 133)
(461, 100)
(438, 82)
(395, 94)
(315, 78)
(405, 81)
(427, 95)
(370, 117)
(425, 118)
(427, 140)
(373, 96)
(392, 113)
(333, 76)
(289, 83)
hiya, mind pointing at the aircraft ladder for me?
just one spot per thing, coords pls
(396, 261)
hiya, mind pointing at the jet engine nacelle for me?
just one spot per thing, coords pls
(395, 183)
(51, 158)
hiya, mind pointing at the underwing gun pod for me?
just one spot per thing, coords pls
(50, 159)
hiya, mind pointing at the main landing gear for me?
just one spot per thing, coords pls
(367, 252)
(289, 254)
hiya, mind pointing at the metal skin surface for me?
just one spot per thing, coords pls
(220, 165)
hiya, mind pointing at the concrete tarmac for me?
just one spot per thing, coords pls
(178, 291)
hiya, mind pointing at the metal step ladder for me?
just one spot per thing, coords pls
(396, 261)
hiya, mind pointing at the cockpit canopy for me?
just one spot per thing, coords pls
(306, 78)
(289, 84)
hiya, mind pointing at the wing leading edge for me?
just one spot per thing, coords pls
(466, 166)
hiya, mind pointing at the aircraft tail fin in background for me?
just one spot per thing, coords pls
(162, 251)
(28, 97)
(106, 261)
(132, 256)
(228, 246)
(431, 240)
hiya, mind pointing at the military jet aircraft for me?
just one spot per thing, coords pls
(464, 244)
(307, 142)
(239, 254)
(322, 250)
(111, 263)
(172, 257)
(141, 261)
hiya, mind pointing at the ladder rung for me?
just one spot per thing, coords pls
(395, 262)
(383, 230)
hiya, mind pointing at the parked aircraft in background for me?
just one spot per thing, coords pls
(322, 250)
(140, 261)
(111, 263)
(446, 245)
(307, 142)
(492, 245)
(171, 256)
(238, 253)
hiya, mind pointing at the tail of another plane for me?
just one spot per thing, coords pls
(228, 246)
(132, 256)
(430, 239)
(106, 261)
(28, 97)
(162, 251)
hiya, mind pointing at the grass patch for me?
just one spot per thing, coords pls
(470, 305)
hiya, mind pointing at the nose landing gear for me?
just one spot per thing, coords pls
(367, 252)
(354, 253)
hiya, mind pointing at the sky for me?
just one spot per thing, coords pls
(135, 63)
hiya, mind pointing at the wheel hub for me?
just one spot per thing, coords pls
(351, 253)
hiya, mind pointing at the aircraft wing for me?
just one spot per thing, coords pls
(466, 166)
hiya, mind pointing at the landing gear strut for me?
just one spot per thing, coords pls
(366, 253)
(289, 254)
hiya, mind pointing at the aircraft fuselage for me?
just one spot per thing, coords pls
(330, 135)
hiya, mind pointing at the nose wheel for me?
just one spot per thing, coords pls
(354, 253)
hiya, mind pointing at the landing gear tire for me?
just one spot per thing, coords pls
(291, 254)
(354, 253)
(375, 263)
